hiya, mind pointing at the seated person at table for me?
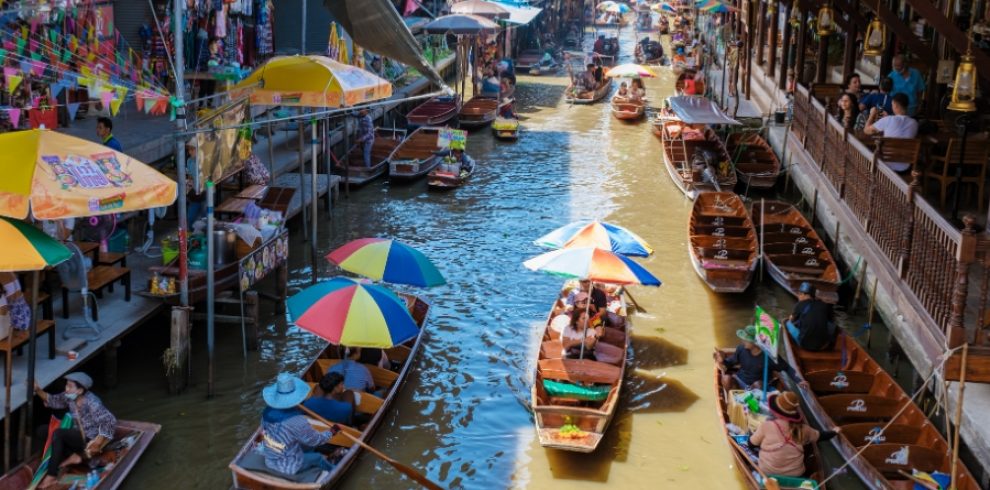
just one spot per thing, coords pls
(847, 111)
(575, 331)
(882, 100)
(783, 436)
(898, 125)
(286, 430)
(357, 376)
(331, 400)
(812, 325)
(744, 368)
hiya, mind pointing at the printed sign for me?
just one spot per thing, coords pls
(263, 260)
(452, 138)
(767, 332)
(107, 203)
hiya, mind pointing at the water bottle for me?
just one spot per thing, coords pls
(92, 480)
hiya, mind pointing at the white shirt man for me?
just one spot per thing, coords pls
(898, 125)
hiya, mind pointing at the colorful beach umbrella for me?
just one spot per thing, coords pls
(387, 260)
(58, 176)
(592, 263)
(630, 70)
(312, 81)
(26, 248)
(663, 7)
(346, 312)
(619, 8)
(596, 234)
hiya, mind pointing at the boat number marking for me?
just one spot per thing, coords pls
(875, 436)
(811, 262)
(720, 243)
(808, 251)
(857, 405)
(801, 240)
(899, 457)
(840, 381)
(795, 231)
(722, 254)
(718, 221)
(719, 232)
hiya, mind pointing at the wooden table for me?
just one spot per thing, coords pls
(254, 191)
(234, 205)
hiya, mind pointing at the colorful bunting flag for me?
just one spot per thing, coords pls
(73, 108)
(57, 88)
(115, 106)
(37, 68)
(12, 82)
(15, 116)
(105, 98)
(25, 67)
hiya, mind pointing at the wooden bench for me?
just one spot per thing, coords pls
(845, 407)
(383, 377)
(18, 338)
(831, 381)
(254, 191)
(888, 458)
(862, 433)
(99, 278)
(233, 205)
(45, 300)
(579, 371)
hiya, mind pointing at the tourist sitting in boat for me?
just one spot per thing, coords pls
(94, 425)
(288, 441)
(507, 111)
(332, 401)
(599, 46)
(812, 325)
(623, 92)
(599, 74)
(782, 437)
(636, 90)
(580, 328)
(375, 357)
(898, 125)
(599, 300)
(356, 375)
(744, 368)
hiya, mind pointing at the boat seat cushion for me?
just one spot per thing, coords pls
(253, 461)
(572, 391)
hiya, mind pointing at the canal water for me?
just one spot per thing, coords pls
(463, 415)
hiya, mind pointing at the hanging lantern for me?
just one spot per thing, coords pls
(771, 8)
(795, 15)
(876, 36)
(826, 21)
(964, 89)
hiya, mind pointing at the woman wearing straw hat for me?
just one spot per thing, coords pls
(783, 436)
(286, 431)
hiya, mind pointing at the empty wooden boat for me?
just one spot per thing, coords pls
(738, 425)
(870, 407)
(131, 439)
(478, 112)
(435, 112)
(416, 155)
(247, 468)
(722, 242)
(589, 96)
(573, 400)
(792, 251)
(355, 174)
(443, 178)
(695, 158)
(754, 159)
(625, 110)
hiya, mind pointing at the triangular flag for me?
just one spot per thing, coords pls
(34, 25)
(35, 101)
(121, 92)
(73, 108)
(34, 45)
(36, 55)
(26, 67)
(139, 102)
(20, 46)
(86, 71)
(12, 82)
(106, 97)
(66, 54)
(148, 105)
(84, 81)
(115, 106)
(9, 45)
(53, 35)
(3, 55)
(57, 88)
(38, 68)
(15, 116)
(8, 71)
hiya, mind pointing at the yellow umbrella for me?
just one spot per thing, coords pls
(58, 176)
(342, 55)
(311, 81)
(334, 41)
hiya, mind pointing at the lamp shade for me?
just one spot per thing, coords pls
(875, 39)
(964, 88)
(826, 21)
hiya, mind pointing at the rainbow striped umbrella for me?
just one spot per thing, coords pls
(27, 248)
(346, 312)
(387, 260)
(596, 234)
(592, 263)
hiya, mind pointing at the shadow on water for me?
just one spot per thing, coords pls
(539, 96)
(656, 352)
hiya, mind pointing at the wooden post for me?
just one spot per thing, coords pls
(785, 50)
(956, 334)
(822, 68)
(801, 48)
(859, 287)
(110, 364)
(849, 58)
(281, 287)
(176, 358)
(908, 231)
(814, 209)
(959, 409)
(774, 21)
(251, 323)
(761, 14)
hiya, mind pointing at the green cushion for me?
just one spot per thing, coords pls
(787, 482)
(569, 390)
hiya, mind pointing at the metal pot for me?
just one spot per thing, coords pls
(223, 246)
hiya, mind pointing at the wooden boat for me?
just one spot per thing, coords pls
(355, 174)
(681, 144)
(442, 179)
(862, 399)
(506, 129)
(130, 440)
(435, 112)
(792, 251)
(589, 97)
(556, 417)
(528, 59)
(479, 111)
(746, 457)
(224, 278)
(722, 242)
(643, 59)
(415, 156)
(756, 163)
(699, 85)
(625, 110)
(404, 355)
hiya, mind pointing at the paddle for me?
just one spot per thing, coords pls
(924, 483)
(405, 470)
(635, 304)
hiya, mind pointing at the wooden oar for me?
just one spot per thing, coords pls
(919, 481)
(635, 304)
(405, 470)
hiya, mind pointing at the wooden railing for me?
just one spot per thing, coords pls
(931, 255)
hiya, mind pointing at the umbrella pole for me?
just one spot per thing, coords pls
(302, 181)
(210, 245)
(32, 360)
(312, 236)
(587, 311)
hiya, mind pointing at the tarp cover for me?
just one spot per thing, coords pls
(376, 26)
(520, 14)
(699, 110)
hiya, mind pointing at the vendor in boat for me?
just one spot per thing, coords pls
(286, 430)
(332, 401)
(599, 46)
(812, 324)
(94, 425)
(744, 368)
(454, 160)
(357, 376)
(782, 437)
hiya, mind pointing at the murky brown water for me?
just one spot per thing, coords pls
(463, 416)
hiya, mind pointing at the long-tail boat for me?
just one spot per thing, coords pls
(847, 389)
(696, 158)
(792, 251)
(722, 242)
(355, 174)
(589, 96)
(755, 161)
(435, 112)
(732, 412)
(479, 111)
(117, 459)
(248, 471)
(416, 156)
(626, 110)
(442, 178)
(573, 400)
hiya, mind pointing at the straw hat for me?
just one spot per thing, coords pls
(784, 405)
(287, 392)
